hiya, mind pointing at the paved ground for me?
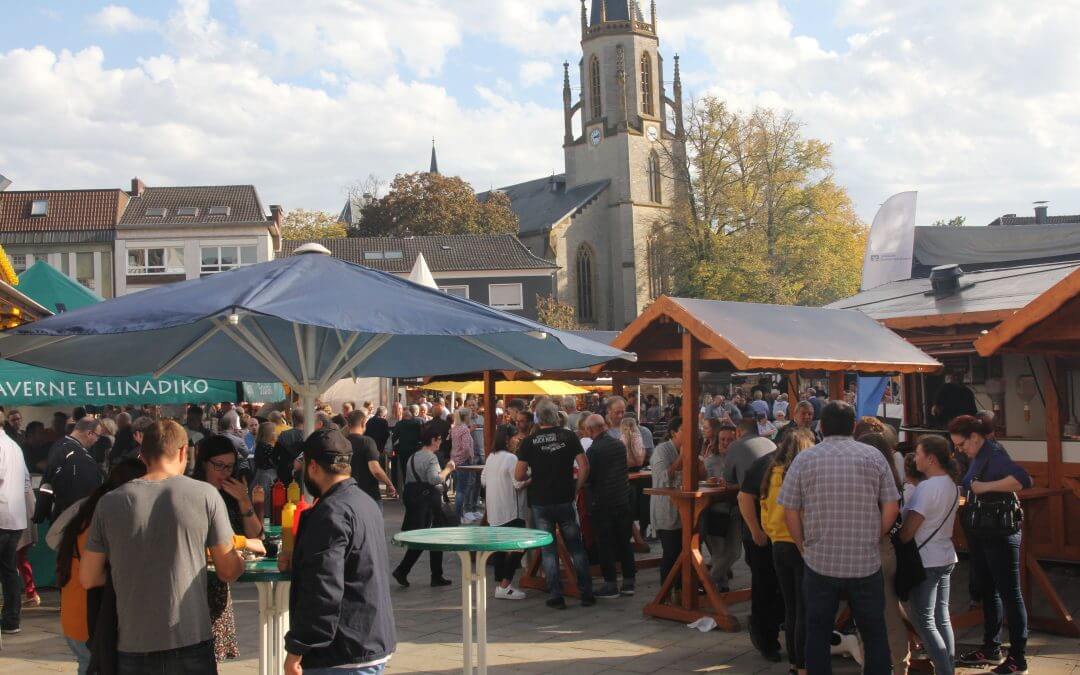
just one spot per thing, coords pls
(525, 636)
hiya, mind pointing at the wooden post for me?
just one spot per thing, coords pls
(792, 392)
(691, 394)
(836, 385)
(489, 412)
(1053, 425)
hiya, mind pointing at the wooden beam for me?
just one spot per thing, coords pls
(836, 385)
(691, 394)
(489, 412)
(792, 392)
(1053, 425)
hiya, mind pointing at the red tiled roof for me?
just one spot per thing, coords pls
(82, 210)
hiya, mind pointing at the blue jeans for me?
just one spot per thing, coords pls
(563, 515)
(930, 614)
(995, 562)
(367, 670)
(196, 659)
(463, 488)
(866, 598)
(81, 652)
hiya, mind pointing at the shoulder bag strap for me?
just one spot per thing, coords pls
(956, 500)
(412, 467)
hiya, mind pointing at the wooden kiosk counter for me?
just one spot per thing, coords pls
(677, 336)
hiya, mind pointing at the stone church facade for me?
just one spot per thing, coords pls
(597, 220)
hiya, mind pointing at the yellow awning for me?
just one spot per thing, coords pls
(510, 387)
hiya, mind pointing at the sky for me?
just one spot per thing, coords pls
(973, 103)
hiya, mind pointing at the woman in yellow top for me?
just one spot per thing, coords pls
(73, 527)
(786, 556)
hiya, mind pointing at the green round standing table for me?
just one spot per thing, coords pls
(273, 588)
(474, 545)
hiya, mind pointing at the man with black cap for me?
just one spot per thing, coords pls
(340, 619)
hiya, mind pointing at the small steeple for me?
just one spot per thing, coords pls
(568, 112)
(676, 90)
(584, 20)
(652, 16)
(434, 160)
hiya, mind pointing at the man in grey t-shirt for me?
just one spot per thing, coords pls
(154, 533)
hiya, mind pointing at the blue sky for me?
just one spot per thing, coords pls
(304, 98)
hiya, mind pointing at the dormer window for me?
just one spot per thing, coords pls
(187, 211)
(156, 212)
(219, 211)
(39, 207)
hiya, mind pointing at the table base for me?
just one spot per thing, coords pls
(474, 605)
(273, 624)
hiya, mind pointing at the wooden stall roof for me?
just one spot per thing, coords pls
(747, 336)
(1050, 323)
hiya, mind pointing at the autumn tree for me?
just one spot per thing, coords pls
(762, 219)
(428, 203)
(551, 311)
(302, 224)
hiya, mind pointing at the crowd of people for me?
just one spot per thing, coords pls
(825, 504)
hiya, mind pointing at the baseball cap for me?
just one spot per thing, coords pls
(327, 446)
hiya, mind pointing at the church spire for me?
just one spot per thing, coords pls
(676, 89)
(434, 168)
(584, 20)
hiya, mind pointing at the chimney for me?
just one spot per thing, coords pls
(945, 280)
(137, 187)
(1041, 217)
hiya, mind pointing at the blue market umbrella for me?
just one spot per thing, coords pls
(308, 320)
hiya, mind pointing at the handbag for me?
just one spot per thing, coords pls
(909, 567)
(995, 514)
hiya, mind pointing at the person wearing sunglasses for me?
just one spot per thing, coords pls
(216, 463)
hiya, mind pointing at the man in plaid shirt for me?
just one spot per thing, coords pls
(840, 499)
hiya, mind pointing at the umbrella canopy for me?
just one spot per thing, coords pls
(308, 320)
(511, 387)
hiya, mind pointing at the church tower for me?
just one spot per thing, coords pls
(624, 130)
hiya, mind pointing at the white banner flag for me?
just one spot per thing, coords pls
(891, 243)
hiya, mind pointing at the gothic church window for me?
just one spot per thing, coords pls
(646, 84)
(586, 293)
(656, 194)
(594, 87)
(655, 253)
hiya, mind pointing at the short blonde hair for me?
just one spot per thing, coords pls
(163, 440)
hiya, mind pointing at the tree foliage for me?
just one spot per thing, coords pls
(552, 312)
(302, 224)
(762, 219)
(958, 221)
(427, 203)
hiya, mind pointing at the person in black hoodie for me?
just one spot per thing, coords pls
(339, 603)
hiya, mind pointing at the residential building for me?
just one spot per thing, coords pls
(497, 270)
(169, 234)
(72, 230)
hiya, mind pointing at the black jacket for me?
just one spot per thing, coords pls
(286, 451)
(74, 478)
(378, 429)
(339, 603)
(608, 481)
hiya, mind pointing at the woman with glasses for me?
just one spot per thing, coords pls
(995, 560)
(216, 463)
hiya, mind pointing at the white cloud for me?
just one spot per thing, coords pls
(119, 19)
(534, 72)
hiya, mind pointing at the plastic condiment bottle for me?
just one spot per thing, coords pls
(288, 516)
(294, 492)
(301, 506)
(277, 501)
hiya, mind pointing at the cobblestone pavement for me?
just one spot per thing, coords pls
(526, 636)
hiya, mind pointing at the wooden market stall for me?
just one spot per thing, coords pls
(686, 337)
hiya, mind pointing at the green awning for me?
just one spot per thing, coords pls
(23, 385)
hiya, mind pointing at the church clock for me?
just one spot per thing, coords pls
(594, 137)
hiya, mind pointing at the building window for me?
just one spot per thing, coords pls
(155, 260)
(84, 270)
(39, 207)
(586, 305)
(18, 263)
(646, 84)
(656, 193)
(594, 88)
(221, 258)
(457, 291)
(657, 280)
(505, 296)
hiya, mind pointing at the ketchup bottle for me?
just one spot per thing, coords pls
(301, 506)
(277, 501)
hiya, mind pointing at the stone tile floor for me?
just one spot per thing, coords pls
(527, 637)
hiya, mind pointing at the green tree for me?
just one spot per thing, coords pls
(958, 221)
(302, 224)
(428, 203)
(761, 218)
(552, 312)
